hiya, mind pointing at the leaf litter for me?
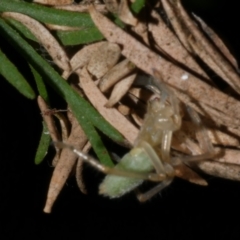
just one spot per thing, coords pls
(106, 72)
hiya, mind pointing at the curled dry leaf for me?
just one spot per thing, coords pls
(82, 7)
(217, 136)
(79, 168)
(199, 44)
(139, 95)
(141, 30)
(65, 164)
(54, 2)
(217, 41)
(120, 89)
(44, 37)
(223, 157)
(188, 174)
(100, 60)
(176, 77)
(169, 44)
(172, 16)
(226, 155)
(125, 14)
(82, 57)
(104, 59)
(48, 118)
(64, 125)
(223, 170)
(112, 5)
(124, 110)
(115, 74)
(138, 120)
(61, 28)
(98, 100)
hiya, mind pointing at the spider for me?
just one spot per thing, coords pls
(150, 157)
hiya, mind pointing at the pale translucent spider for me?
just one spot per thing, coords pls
(150, 158)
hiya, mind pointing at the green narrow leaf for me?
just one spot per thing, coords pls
(43, 145)
(137, 6)
(22, 29)
(40, 84)
(83, 36)
(47, 14)
(14, 77)
(84, 112)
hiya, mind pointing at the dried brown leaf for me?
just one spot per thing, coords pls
(112, 5)
(186, 173)
(217, 41)
(82, 57)
(120, 89)
(79, 176)
(115, 74)
(223, 170)
(82, 7)
(147, 60)
(64, 125)
(98, 100)
(202, 46)
(124, 110)
(170, 44)
(216, 136)
(61, 28)
(54, 2)
(65, 164)
(79, 169)
(48, 118)
(226, 155)
(103, 59)
(44, 37)
(141, 30)
(125, 14)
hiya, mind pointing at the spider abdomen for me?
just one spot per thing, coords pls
(137, 160)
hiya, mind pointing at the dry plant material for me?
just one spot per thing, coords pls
(82, 57)
(147, 60)
(115, 74)
(139, 95)
(217, 41)
(223, 170)
(105, 62)
(98, 100)
(120, 89)
(141, 29)
(44, 37)
(170, 45)
(61, 28)
(48, 118)
(230, 156)
(187, 174)
(104, 59)
(124, 110)
(217, 136)
(65, 164)
(54, 2)
(195, 41)
(64, 125)
(112, 5)
(82, 7)
(79, 169)
(125, 14)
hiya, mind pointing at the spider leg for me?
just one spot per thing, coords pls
(113, 171)
(142, 197)
(203, 139)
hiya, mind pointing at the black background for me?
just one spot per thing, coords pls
(182, 211)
